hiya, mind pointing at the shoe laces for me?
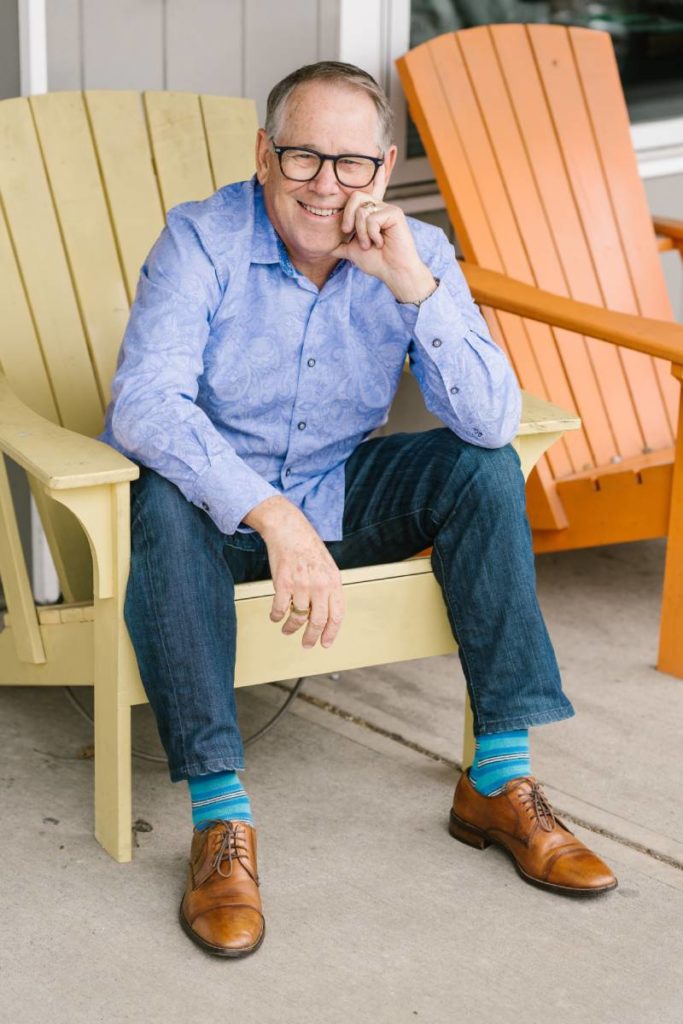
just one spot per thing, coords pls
(536, 804)
(232, 847)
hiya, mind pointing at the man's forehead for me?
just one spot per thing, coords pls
(322, 104)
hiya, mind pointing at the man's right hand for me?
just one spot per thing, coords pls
(304, 573)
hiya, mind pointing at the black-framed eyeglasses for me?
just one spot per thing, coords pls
(352, 170)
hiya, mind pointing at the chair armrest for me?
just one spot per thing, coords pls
(542, 417)
(57, 457)
(669, 228)
(660, 338)
(669, 234)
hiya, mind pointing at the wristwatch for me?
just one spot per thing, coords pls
(418, 302)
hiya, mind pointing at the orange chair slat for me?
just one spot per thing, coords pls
(557, 266)
(518, 338)
(544, 506)
(589, 178)
(598, 69)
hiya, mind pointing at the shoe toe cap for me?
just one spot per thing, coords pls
(581, 870)
(230, 928)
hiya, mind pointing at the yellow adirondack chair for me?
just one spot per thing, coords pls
(527, 132)
(85, 179)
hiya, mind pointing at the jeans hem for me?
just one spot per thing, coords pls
(190, 771)
(558, 714)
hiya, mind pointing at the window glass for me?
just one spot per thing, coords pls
(647, 37)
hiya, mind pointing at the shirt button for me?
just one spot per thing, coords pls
(436, 343)
(288, 471)
(311, 362)
(301, 426)
(454, 390)
(478, 433)
(205, 506)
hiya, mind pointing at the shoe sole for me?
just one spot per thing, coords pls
(469, 834)
(208, 947)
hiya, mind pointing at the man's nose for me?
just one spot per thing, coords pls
(325, 180)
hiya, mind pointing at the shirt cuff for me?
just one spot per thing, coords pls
(228, 491)
(439, 316)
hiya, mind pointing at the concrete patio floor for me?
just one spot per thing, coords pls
(374, 913)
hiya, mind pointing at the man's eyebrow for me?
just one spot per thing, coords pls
(342, 152)
(301, 145)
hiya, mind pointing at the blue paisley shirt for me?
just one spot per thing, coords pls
(238, 379)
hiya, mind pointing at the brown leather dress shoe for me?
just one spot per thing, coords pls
(221, 908)
(520, 819)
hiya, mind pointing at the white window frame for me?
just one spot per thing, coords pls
(32, 46)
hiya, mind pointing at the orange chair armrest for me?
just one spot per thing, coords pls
(660, 338)
(669, 228)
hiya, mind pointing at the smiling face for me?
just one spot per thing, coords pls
(331, 118)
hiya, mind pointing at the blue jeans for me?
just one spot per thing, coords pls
(404, 493)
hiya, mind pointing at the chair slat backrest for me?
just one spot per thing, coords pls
(35, 231)
(121, 140)
(528, 134)
(85, 179)
(89, 246)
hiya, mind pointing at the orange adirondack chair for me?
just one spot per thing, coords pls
(527, 131)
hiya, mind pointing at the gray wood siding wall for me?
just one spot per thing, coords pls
(226, 47)
(9, 49)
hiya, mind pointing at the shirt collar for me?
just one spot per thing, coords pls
(264, 246)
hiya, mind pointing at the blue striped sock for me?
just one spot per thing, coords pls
(219, 795)
(499, 757)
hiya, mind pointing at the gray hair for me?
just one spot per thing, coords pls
(336, 73)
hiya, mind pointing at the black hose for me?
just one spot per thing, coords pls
(145, 756)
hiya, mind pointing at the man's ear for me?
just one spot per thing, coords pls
(262, 156)
(387, 168)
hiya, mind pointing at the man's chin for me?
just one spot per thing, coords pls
(319, 249)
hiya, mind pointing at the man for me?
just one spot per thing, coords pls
(265, 344)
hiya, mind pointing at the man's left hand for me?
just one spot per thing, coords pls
(380, 243)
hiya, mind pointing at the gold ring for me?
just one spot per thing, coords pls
(300, 611)
(370, 206)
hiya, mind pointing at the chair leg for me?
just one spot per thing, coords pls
(104, 513)
(670, 658)
(468, 736)
(113, 779)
